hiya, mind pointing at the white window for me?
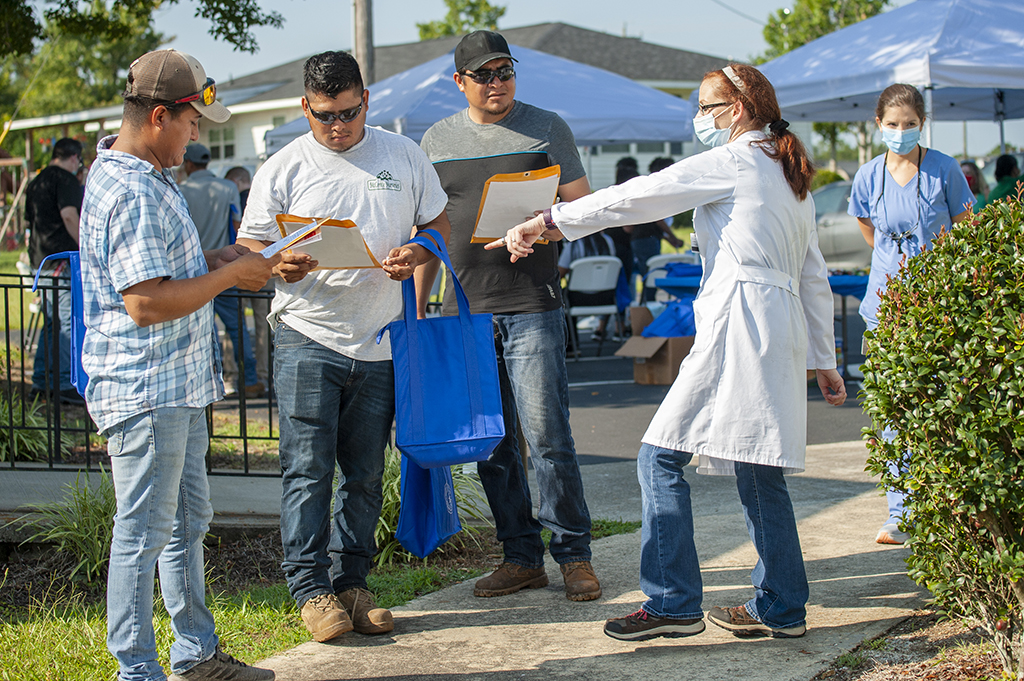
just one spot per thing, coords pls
(222, 143)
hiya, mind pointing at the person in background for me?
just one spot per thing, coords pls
(260, 306)
(154, 366)
(215, 206)
(497, 133)
(764, 315)
(902, 199)
(1008, 179)
(645, 239)
(53, 202)
(976, 181)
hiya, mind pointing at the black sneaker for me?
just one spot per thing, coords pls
(640, 626)
(739, 621)
(223, 667)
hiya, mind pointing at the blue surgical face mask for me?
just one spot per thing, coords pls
(707, 133)
(901, 142)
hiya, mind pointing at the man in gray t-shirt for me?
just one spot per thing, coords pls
(497, 134)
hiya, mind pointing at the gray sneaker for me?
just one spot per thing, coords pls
(890, 533)
(223, 667)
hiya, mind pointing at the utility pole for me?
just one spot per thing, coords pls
(362, 39)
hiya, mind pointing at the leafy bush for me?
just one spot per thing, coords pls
(469, 498)
(823, 177)
(946, 371)
(30, 441)
(80, 525)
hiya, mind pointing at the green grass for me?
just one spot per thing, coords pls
(601, 527)
(9, 297)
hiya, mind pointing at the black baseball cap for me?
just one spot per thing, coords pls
(479, 47)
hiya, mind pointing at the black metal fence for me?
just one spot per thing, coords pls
(44, 430)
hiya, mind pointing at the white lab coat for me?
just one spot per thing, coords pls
(764, 312)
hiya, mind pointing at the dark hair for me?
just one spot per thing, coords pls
(238, 172)
(626, 172)
(626, 162)
(66, 148)
(660, 163)
(758, 97)
(1005, 165)
(976, 181)
(900, 94)
(330, 73)
(137, 109)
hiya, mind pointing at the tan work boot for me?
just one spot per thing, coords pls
(580, 581)
(508, 579)
(325, 617)
(366, 617)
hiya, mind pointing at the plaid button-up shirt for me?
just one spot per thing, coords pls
(135, 227)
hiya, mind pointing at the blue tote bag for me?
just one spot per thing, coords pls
(79, 379)
(447, 397)
(428, 516)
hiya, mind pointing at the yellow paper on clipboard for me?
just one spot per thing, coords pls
(511, 198)
(341, 246)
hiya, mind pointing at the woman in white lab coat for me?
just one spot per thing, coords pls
(764, 314)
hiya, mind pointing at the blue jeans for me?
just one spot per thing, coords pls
(226, 307)
(669, 567)
(44, 348)
(158, 464)
(334, 411)
(644, 248)
(534, 386)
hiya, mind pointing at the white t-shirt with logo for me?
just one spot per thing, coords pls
(386, 185)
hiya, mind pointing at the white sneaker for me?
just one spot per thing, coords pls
(890, 533)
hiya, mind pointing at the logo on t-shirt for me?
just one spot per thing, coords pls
(384, 181)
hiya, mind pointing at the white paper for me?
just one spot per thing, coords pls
(339, 247)
(509, 203)
(286, 241)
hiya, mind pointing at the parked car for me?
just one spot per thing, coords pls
(839, 235)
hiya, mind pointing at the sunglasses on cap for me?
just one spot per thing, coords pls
(484, 77)
(208, 94)
(327, 118)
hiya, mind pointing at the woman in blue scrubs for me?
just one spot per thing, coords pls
(902, 200)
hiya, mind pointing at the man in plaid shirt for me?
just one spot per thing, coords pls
(154, 364)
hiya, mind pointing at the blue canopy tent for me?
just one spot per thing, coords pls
(966, 57)
(600, 107)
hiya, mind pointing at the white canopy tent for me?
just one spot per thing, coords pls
(966, 57)
(600, 107)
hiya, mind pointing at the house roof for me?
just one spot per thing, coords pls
(629, 57)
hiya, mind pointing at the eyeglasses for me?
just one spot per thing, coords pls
(208, 94)
(485, 77)
(704, 108)
(327, 118)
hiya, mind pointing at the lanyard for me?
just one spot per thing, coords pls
(906, 235)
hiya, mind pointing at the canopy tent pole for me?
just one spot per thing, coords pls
(928, 116)
(1000, 118)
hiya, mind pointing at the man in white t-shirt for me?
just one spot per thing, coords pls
(334, 383)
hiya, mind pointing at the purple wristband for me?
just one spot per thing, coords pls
(548, 222)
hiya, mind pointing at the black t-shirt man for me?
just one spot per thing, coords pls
(52, 190)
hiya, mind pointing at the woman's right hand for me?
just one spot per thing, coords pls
(833, 389)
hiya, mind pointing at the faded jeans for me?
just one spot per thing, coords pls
(535, 388)
(44, 348)
(335, 411)
(669, 567)
(158, 465)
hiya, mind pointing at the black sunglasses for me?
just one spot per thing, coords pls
(704, 108)
(346, 116)
(484, 77)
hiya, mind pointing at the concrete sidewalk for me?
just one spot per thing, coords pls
(858, 590)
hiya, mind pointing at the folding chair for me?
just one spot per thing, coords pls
(656, 270)
(591, 281)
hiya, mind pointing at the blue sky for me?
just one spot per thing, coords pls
(706, 26)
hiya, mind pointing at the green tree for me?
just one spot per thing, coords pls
(463, 16)
(231, 20)
(809, 20)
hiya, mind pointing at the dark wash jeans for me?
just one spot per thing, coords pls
(535, 387)
(334, 411)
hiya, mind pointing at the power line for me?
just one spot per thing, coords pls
(736, 11)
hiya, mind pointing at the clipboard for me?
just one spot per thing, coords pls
(341, 246)
(500, 199)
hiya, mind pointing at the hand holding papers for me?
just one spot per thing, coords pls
(293, 238)
(340, 246)
(511, 198)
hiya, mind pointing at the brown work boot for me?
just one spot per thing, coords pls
(325, 618)
(508, 579)
(367, 618)
(580, 581)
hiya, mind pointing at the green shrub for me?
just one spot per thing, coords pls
(80, 525)
(469, 498)
(823, 177)
(30, 437)
(946, 371)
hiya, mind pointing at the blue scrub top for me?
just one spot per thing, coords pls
(916, 214)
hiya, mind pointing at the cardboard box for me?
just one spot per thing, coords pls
(655, 360)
